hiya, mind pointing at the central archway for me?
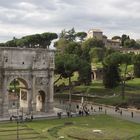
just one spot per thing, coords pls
(18, 97)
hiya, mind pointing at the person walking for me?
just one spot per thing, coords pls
(121, 112)
(132, 114)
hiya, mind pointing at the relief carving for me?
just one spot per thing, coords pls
(41, 81)
(40, 60)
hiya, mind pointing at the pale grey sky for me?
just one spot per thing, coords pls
(113, 17)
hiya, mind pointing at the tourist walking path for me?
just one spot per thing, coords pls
(126, 114)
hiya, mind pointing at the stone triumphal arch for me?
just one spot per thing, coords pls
(33, 69)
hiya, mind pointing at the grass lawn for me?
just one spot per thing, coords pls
(77, 128)
(96, 88)
(134, 83)
(8, 131)
(81, 128)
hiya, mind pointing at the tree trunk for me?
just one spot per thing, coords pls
(57, 79)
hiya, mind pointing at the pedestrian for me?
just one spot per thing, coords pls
(32, 117)
(132, 114)
(80, 112)
(10, 118)
(121, 112)
(86, 112)
(77, 106)
(68, 114)
(116, 108)
(101, 108)
(59, 115)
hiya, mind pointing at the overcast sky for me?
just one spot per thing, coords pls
(113, 17)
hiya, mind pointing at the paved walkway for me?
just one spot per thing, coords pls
(122, 113)
(126, 113)
(39, 115)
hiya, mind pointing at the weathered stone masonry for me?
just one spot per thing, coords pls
(33, 66)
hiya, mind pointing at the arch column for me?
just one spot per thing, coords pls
(50, 91)
(29, 100)
(1, 93)
(33, 101)
(5, 102)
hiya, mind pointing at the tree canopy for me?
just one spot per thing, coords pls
(66, 64)
(81, 35)
(33, 41)
(69, 35)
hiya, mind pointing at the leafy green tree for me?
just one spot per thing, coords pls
(46, 39)
(23, 42)
(63, 34)
(116, 37)
(84, 72)
(113, 59)
(2, 44)
(88, 45)
(66, 64)
(136, 61)
(111, 76)
(130, 43)
(81, 35)
(73, 48)
(92, 42)
(97, 54)
(32, 41)
(68, 35)
(111, 72)
(10, 43)
(71, 34)
(85, 54)
(109, 51)
(126, 59)
(124, 38)
(61, 45)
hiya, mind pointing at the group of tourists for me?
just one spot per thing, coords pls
(86, 110)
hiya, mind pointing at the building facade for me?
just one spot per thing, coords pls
(98, 34)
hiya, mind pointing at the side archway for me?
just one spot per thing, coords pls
(40, 101)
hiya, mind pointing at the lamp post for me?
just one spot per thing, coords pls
(17, 108)
(70, 90)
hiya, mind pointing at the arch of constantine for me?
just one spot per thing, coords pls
(33, 68)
